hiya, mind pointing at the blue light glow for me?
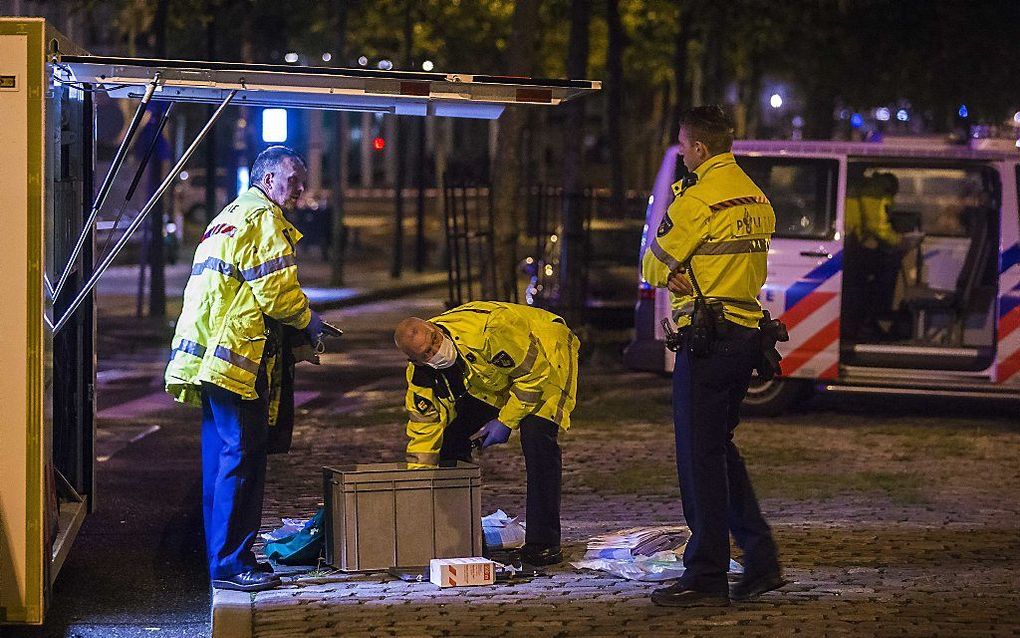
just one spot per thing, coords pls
(856, 120)
(274, 125)
(963, 112)
(902, 115)
(242, 178)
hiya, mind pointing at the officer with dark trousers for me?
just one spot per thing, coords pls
(710, 251)
(477, 373)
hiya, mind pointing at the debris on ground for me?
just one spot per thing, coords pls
(501, 531)
(641, 553)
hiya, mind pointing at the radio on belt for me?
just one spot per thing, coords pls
(457, 572)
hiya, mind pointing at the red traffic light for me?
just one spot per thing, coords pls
(378, 143)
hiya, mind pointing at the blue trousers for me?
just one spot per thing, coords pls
(714, 486)
(234, 434)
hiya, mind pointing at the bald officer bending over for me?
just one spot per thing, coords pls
(477, 373)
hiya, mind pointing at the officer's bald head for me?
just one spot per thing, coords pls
(417, 338)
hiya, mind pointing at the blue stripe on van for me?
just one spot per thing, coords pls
(1009, 299)
(807, 284)
(1009, 258)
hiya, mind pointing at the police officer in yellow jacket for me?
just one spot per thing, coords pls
(478, 372)
(710, 251)
(225, 356)
(873, 255)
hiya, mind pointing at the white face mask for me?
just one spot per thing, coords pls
(445, 356)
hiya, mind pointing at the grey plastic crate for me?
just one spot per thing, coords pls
(384, 515)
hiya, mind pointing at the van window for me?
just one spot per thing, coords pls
(929, 199)
(802, 192)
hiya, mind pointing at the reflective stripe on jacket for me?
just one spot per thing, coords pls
(723, 225)
(243, 271)
(519, 359)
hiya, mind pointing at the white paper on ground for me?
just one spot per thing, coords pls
(503, 532)
(290, 526)
(657, 567)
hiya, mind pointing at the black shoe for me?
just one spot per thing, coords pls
(538, 556)
(265, 567)
(757, 585)
(247, 581)
(680, 595)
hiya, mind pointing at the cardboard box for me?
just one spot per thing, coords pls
(458, 572)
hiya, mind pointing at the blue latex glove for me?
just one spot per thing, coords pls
(492, 433)
(314, 327)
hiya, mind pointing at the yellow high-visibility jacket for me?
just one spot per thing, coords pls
(244, 270)
(867, 218)
(722, 225)
(519, 359)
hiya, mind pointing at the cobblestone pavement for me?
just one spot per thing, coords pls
(890, 521)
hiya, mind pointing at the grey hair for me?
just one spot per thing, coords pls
(269, 160)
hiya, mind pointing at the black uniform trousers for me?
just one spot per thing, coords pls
(542, 461)
(714, 486)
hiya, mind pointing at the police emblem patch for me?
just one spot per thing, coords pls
(665, 226)
(422, 404)
(503, 360)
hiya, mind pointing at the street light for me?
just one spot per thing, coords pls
(326, 57)
(776, 101)
(291, 58)
(362, 61)
(274, 125)
(427, 65)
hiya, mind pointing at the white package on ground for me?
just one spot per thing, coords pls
(290, 526)
(641, 553)
(502, 532)
(457, 572)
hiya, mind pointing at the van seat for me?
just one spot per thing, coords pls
(920, 299)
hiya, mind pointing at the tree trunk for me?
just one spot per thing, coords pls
(156, 250)
(680, 62)
(572, 294)
(614, 103)
(401, 163)
(506, 180)
(338, 240)
(821, 101)
(211, 205)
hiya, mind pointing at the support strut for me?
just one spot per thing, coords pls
(104, 190)
(137, 221)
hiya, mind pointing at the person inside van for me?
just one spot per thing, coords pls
(873, 256)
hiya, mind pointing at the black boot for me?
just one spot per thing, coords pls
(253, 580)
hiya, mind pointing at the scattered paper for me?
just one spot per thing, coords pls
(290, 526)
(641, 553)
(503, 532)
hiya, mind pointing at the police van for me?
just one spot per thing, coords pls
(940, 315)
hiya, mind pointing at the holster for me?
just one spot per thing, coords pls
(770, 332)
(707, 321)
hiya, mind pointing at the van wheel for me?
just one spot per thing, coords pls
(772, 398)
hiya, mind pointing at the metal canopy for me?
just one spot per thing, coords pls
(397, 92)
(223, 83)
